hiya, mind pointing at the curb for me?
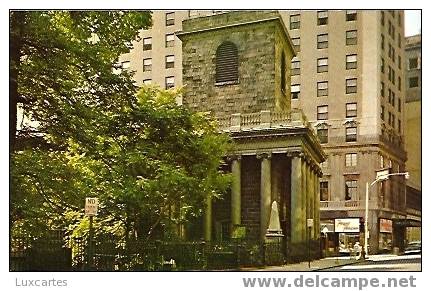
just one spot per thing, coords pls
(341, 265)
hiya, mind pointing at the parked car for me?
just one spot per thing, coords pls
(413, 247)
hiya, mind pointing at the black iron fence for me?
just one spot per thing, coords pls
(108, 254)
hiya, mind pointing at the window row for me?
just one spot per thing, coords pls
(322, 64)
(322, 88)
(169, 63)
(350, 192)
(169, 82)
(350, 136)
(322, 40)
(148, 42)
(322, 18)
(351, 111)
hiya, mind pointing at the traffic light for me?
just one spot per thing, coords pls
(361, 224)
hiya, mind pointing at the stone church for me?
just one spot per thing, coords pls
(237, 66)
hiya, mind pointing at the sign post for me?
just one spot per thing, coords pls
(91, 207)
(310, 222)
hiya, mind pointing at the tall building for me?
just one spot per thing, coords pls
(413, 119)
(348, 78)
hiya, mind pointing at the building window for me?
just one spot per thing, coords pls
(399, 126)
(413, 63)
(322, 112)
(322, 17)
(324, 191)
(295, 91)
(351, 37)
(125, 65)
(399, 40)
(382, 18)
(399, 62)
(382, 161)
(170, 18)
(382, 112)
(322, 41)
(283, 73)
(147, 65)
(147, 82)
(227, 63)
(399, 104)
(351, 160)
(170, 61)
(351, 86)
(295, 67)
(351, 133)
(351, 189)
(399, 83)
(295, 21)
(382, 43)
(322, 88)
(351, 15)
(296, 41)
(351, 110)
(322, 65)
(382, 89)
(169, 82)
(147, 43)
(382, 65)
(413, 82)
(351, 61)
(170, 39)
(323, 135)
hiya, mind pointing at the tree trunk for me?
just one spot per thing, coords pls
(17, 19)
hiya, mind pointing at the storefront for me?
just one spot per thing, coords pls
(348, 234)
(385, 235)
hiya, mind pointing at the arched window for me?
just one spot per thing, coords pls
(227, 63)
(283, 73)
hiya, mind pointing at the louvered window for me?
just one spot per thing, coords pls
(227, 63)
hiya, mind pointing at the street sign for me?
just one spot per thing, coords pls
(310, 222)
(91, 205)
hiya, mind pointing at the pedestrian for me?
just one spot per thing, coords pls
(357, 250)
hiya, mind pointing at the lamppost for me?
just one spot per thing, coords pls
(380, 176)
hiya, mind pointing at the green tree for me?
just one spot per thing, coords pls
(61, 62)
(150, 161)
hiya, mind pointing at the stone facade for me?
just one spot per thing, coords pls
(260, 38)
(276, 154)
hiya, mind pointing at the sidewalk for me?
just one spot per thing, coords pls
(315, 265)
(329, 262)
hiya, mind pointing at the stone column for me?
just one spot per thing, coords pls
(296, 200)
(304, 199)
(317, 202)
(310, 195)
(208, 219)
(265, 193)
(236, 191)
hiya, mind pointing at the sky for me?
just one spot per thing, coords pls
(412, 22)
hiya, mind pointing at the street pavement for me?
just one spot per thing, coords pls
(385, 263)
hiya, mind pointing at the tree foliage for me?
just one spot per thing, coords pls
(150, 162)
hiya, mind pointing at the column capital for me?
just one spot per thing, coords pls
(294, 154)
(260, 156)
(234, 157)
